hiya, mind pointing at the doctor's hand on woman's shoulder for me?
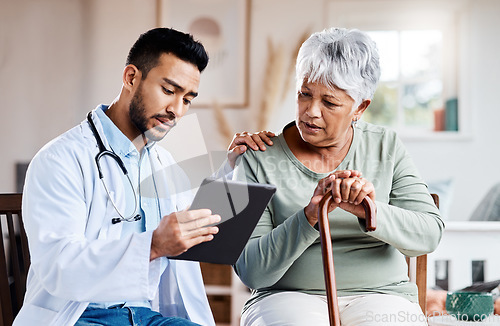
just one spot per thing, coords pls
(242, 140)
(179, 231)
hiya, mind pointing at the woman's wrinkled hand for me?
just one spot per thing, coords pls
(348, 189)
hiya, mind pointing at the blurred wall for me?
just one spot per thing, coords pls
(41, 55)
(61, 58)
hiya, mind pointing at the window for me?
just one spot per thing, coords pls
(410, 92)
(417, 93)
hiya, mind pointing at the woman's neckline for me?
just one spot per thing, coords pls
(315, 161)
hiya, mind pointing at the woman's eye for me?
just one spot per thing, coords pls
(187, 102)
(302, 94)
(330, 104)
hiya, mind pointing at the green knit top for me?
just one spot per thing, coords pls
(284, 252)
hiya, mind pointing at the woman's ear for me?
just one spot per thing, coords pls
(361, 108)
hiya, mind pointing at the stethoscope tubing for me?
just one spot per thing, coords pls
(103, 151)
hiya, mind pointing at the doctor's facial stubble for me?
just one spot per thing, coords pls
(139, 118)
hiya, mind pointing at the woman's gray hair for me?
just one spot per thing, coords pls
(341, 58)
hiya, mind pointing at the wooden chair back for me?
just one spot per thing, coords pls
(14, 258)
(417, 271)
(418, 265)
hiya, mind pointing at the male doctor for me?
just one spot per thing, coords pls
(99, 246)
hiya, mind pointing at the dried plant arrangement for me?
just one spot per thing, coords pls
(273, 83)
(278, 79)
(223, 125)
(290, 75)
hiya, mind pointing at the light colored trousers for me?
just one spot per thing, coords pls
(300, 309)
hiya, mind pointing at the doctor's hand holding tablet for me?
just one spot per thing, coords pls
(182, 230)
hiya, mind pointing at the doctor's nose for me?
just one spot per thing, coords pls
(176, 109)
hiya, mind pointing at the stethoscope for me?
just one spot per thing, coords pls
(105, 152)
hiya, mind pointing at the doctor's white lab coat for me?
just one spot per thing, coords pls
(77, 255)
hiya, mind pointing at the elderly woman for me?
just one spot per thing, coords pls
(328, 148)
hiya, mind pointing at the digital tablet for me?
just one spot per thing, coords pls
(240, 206)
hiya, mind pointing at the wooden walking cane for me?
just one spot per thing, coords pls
(327, 252)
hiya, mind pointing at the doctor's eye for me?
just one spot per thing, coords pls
(167, 91)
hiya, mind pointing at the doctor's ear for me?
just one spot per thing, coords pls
(130, 76)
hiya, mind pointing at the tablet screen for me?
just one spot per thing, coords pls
(240, 206)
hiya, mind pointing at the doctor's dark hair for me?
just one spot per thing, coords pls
(146, 51)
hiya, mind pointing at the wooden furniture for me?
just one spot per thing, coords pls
(226, 293)
(326, 249)
(14, 260)
(417, 271)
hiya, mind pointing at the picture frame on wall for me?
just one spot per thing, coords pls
(223, 28)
